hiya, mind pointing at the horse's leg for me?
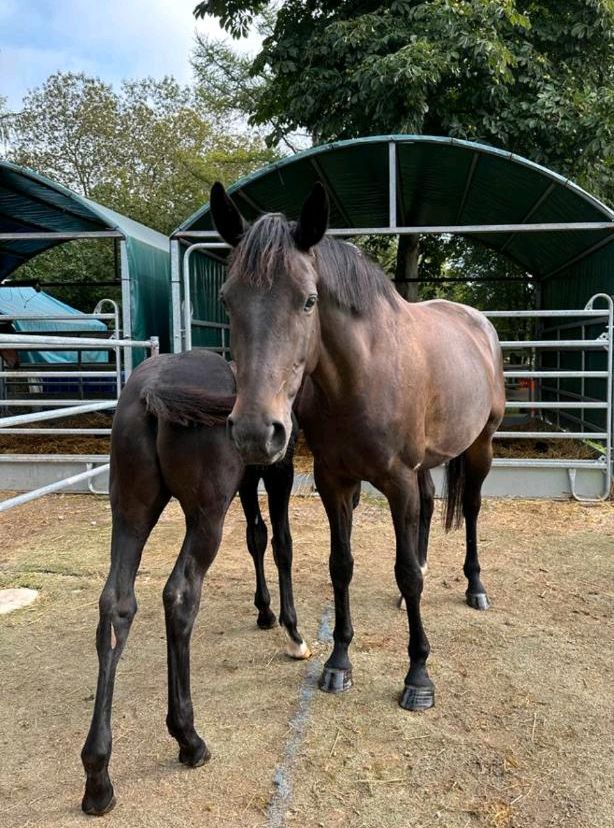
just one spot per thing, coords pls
(181, 602)
(404, 496)
(256, 536)
(338, 498)
(427, 505)
(278, 481)
(478, 460)
(131, 528)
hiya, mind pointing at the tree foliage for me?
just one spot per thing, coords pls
(150, 151)
(531, 76)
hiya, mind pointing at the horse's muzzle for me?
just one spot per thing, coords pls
(259, 442)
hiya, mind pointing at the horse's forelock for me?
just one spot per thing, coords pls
(264, 251)
(346, 276)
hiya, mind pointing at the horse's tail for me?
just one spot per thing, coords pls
(188, 406)
(454, 493)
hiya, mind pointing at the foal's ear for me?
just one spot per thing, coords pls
(227, 219)
(313, 220)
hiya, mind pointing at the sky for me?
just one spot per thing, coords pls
(111, 39)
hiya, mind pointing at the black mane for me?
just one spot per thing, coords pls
(347, 276)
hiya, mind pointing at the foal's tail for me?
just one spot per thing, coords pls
(454, 493)
(188, 406)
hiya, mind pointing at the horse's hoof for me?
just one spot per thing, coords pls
(417, 697)
(334, 680)
(266, 619)
(478, 600)
(299, 652)
(98, 808)
(195, 758)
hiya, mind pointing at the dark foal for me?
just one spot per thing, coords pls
(390, 391)
(169, 440)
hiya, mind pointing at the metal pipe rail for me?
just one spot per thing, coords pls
(39, 416)
(27, 342)
(5, 505)
(37, 317)
(554, 405)
(550, 435)
(76, 432)
(25, 373)
(555, 344)
(15, 403)
(556, 374)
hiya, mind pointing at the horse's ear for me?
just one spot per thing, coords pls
(227, 219)
(313, 221)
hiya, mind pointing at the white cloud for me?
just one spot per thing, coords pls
(116, 39)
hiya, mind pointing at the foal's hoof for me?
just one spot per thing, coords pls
(299, 651)
(478, 600)
(93, 806)
(266, 619)
(334, 680)
(417, 697)
(195, 757)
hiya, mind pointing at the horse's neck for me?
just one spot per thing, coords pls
(350, 351)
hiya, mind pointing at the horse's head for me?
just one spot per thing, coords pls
(271, 296)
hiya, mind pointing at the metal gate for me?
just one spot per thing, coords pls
(572, 414)
(112, 375)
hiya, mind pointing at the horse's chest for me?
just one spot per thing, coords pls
(354, 444)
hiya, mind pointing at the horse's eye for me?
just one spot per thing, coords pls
(310, 302)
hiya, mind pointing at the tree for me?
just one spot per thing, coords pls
(5, 126)
(149, 151)
(531, 76)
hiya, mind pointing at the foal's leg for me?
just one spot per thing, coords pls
(131, 528)
(338, 498)
(403, 493)
(278, 481)
(478, 460)
(181, 602)
(256, 536)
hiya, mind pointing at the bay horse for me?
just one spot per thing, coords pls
(169, 439)
(390, 390)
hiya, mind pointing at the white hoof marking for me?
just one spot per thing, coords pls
(298, 651)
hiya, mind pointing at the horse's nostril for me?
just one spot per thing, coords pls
(278, 437)
(229, 427)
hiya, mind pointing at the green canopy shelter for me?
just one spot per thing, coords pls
(406, 184)
(37, 214)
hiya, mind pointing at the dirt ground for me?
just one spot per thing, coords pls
(522, 735)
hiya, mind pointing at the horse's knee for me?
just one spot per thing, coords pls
(117, 612)
(179, 606)
(341, 566)
(410, 579)
(282, 548)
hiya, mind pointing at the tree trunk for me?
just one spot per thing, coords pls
(407, 267)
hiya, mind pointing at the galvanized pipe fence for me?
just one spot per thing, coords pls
(563, 401)
(120, 350)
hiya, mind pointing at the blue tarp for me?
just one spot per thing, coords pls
(15, 300)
